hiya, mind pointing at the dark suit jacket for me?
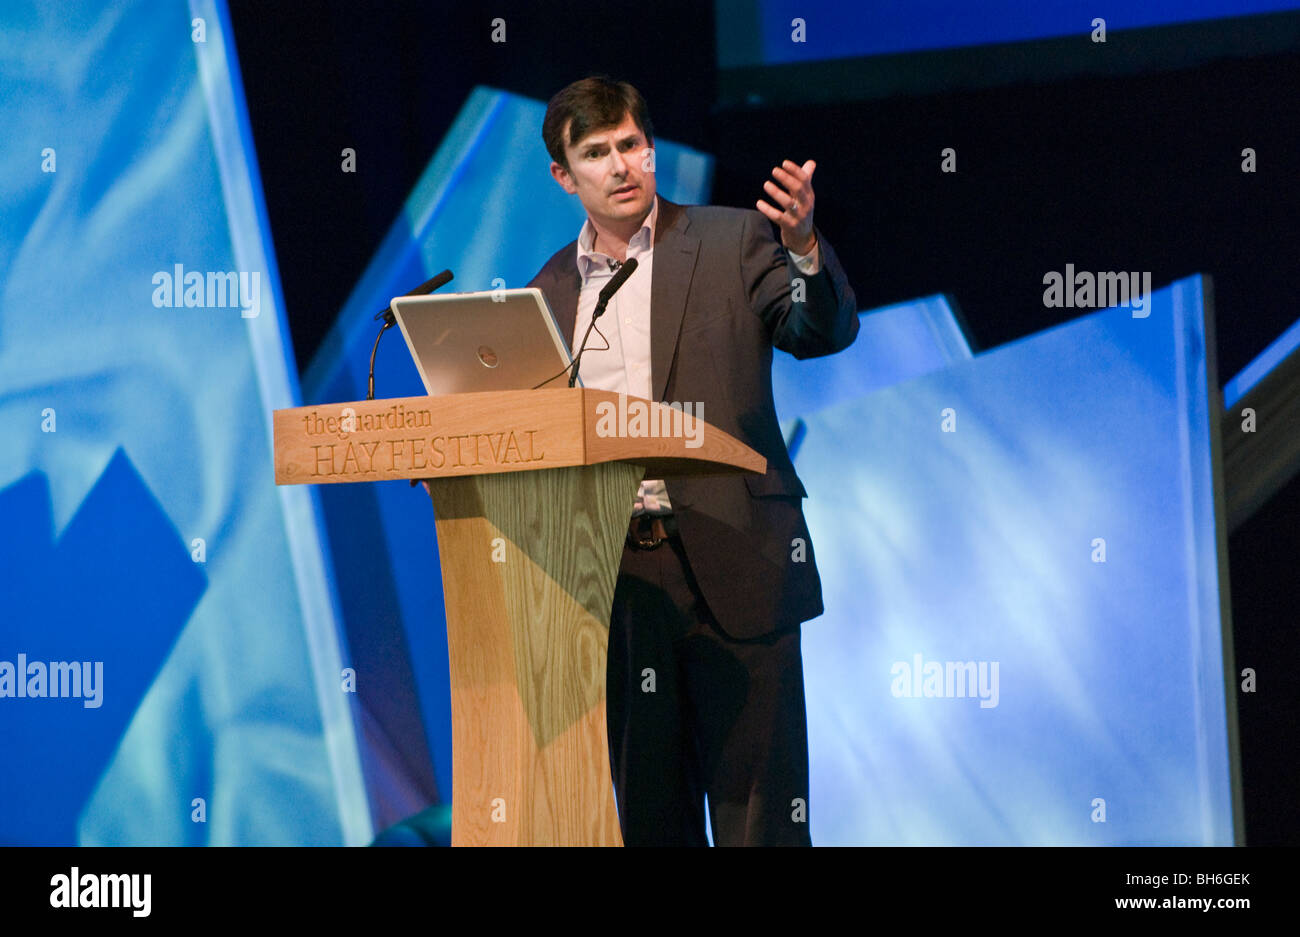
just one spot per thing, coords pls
(720, 300)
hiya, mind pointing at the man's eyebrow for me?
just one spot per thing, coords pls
(601, 141)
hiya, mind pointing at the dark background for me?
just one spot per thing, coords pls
(1136, 172)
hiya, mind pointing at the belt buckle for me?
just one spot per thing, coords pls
(642, 543)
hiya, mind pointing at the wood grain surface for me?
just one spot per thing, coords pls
(529, 561)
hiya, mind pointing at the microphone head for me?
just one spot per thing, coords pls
(425, 288)
(617, 280)
(433, 285)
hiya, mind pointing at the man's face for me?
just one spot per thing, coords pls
(611, 172)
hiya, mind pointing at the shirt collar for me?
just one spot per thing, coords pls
(643, 239)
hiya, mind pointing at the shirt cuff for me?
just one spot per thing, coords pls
(810, 263)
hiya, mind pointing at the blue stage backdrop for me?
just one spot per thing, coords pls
(1022, 549)
(170, 668)
(1025, 639)
(759, 32)
(794, 52)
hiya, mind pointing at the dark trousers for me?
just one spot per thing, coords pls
(693, 712)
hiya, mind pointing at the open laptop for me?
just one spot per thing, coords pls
(496, 340)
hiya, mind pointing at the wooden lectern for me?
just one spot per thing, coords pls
(532, 492)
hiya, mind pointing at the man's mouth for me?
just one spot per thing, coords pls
(625, 190)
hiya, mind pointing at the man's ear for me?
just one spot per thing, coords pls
(562, 176)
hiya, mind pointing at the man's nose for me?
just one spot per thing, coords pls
(619, 166)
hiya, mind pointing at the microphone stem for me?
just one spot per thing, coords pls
(370, 383)
(596, 314)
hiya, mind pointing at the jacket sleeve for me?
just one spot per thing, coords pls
(826, 321)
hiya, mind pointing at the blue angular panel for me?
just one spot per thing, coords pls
(136, 385)
(1094, 709)
(893, 26)
(110, 598)
(894, 343)
(1262, 365)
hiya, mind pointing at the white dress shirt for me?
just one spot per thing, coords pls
(624, 367)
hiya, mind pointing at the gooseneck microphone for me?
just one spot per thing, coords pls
(625, 270)
(390, 320)
(424, 289)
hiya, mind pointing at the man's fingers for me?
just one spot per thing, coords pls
(779, 195)
(789, 209)
(788, 179)
(783, 218)
(801, 190)
(802, 173)
(797, 194)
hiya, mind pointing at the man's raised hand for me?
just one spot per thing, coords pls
(794, 215)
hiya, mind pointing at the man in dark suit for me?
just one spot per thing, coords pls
(705, 677)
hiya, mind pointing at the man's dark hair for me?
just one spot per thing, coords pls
(593, 103)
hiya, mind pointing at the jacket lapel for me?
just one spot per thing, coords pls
(676, 250)
(564, 294)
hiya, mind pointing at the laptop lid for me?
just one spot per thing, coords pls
(493, 340)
